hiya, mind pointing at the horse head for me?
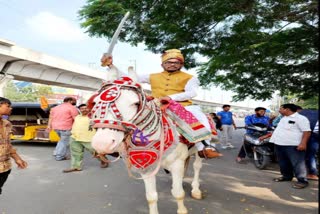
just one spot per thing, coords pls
(116, 108)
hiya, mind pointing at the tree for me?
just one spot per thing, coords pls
(29, 93)
(311, 103)
(252, 47)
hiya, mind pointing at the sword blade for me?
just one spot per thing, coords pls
(116, 33)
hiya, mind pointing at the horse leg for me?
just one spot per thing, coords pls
(151, 194)
(197, 165)
(177, 171)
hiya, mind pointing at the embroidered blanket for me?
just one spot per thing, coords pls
(187, 124)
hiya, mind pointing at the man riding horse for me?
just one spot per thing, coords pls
(174, 84)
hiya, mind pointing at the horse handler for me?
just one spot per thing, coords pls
(80, 140)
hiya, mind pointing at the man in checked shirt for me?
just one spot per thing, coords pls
(6, 149)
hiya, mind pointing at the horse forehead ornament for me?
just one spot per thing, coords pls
(105, 101)
(141, 154)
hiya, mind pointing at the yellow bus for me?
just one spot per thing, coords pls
(29, 123)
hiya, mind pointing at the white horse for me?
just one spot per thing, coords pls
(128, 123)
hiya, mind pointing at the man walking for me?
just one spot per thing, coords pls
(81, 139)
(61, 120)
(227, 127)
(290, 139)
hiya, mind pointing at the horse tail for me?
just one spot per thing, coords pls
(186, 165)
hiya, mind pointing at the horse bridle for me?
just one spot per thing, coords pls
(105, 104)
(148, 117)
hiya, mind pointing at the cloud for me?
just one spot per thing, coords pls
(55, 28)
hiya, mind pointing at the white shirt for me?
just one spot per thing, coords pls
(190, 89)
(290, 130)
(316, 128)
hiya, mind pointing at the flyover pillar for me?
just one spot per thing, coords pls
(4, 79)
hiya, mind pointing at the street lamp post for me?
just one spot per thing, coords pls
(134, 63)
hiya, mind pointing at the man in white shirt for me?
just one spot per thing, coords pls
(290, 139)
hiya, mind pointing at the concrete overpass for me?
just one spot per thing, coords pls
(27, 65)
(31, 66)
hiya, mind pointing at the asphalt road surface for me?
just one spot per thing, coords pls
(228, 187)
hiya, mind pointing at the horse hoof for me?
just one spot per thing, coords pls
(182, 212)
(197, 196)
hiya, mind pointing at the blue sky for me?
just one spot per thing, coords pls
(53, 27)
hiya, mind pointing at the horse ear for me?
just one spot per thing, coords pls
(132, 74)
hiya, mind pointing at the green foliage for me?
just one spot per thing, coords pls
(29, 93)
(253, 47)
(311, 103)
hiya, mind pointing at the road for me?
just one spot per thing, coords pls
(229, 188)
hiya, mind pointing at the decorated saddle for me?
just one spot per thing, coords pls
(187, 125)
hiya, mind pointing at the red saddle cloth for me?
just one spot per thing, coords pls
(145, 157)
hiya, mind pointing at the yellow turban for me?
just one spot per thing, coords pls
(172, 54)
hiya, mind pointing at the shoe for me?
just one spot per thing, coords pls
(224, 147)
(230, 146)
(104, 164)
(281, 179)
(240, 160)
(299, 185)
(312, 177)
(64, 158)
(71, 170)
(209, 153)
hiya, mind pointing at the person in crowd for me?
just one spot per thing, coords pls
(272, 117)
(290, 139)
(6, 149)
(174, 84)
(258, 117)
(313, 143)
(312, 151)
(276, 120)
(227, 125)
(216, 120)
(81, 140)
(60, 120)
